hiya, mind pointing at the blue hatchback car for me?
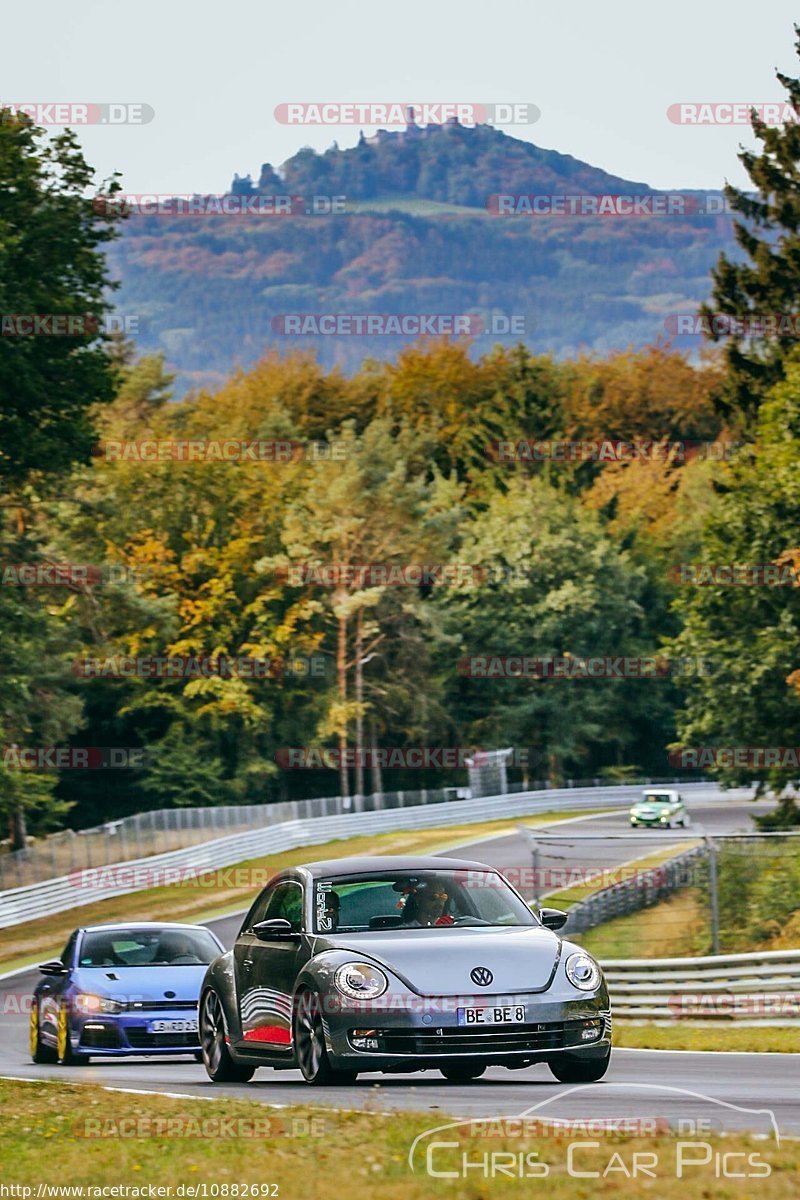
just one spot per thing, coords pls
(121, 990)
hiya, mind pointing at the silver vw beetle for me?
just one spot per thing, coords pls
(401, 964)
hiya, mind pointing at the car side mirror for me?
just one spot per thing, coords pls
(54, 967)
(276, 927)
(552, 918)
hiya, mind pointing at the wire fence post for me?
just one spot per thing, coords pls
(714, 893)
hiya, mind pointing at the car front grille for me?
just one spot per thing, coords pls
(140, 1039)
(555, 1035)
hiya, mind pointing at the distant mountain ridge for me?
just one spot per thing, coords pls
(212, 291)
(451, 163)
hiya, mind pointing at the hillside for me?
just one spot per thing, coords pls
(416, 236)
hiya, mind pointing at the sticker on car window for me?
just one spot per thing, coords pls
(324, 908)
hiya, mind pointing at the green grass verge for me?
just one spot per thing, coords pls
(777, 1039)
(678, 927)
(568, 896)
(233, 888)
(310, 1154)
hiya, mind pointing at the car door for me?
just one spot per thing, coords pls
(52, 988)
(266, 970)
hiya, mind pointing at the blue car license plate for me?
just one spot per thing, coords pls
(178, 1025)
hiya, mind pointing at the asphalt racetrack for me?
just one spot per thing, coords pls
(722, 1091)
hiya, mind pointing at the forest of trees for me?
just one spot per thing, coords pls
(398, 464)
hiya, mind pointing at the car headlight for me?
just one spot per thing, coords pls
(360, 981)
(85, 1002)
(583, 972)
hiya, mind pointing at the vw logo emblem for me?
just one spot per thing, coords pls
(481, 975)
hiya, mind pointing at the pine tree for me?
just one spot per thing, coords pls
(767, 281)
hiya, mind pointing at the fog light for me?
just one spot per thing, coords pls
(591, 1030)
(365, 1039)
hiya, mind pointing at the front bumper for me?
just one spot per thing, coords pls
(127, 1034)
(405, 1039)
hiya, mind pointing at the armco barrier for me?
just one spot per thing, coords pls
(646, 887)
(72, 891)
(750, 989)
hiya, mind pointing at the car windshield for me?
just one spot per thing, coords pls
(409, 900)
(148, 948)
(657, 800)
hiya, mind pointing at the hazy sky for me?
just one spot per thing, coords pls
(603, 76)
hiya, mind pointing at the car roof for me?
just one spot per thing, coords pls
(370, 864)
(139, 925)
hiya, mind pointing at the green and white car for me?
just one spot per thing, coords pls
(659, 808)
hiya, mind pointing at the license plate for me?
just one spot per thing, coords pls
(511, 1014)
(177, 1026)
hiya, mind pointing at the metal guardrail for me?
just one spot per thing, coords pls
(101, 883)
(748, 989)
(160, 830)
(648, 886)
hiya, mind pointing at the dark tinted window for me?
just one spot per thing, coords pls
(148, 947)
(286, 902)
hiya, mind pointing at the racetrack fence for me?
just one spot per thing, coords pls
(89, 884)
(627, 893)
(161, 830)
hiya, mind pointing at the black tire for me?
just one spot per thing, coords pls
(65, 1056)
(576, 1069)
(464, 1073)
(215, 1055)
(198, 1056)
(309, 1044)
(40, 1053)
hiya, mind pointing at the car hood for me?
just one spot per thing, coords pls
(437, 962)
(141, 983)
